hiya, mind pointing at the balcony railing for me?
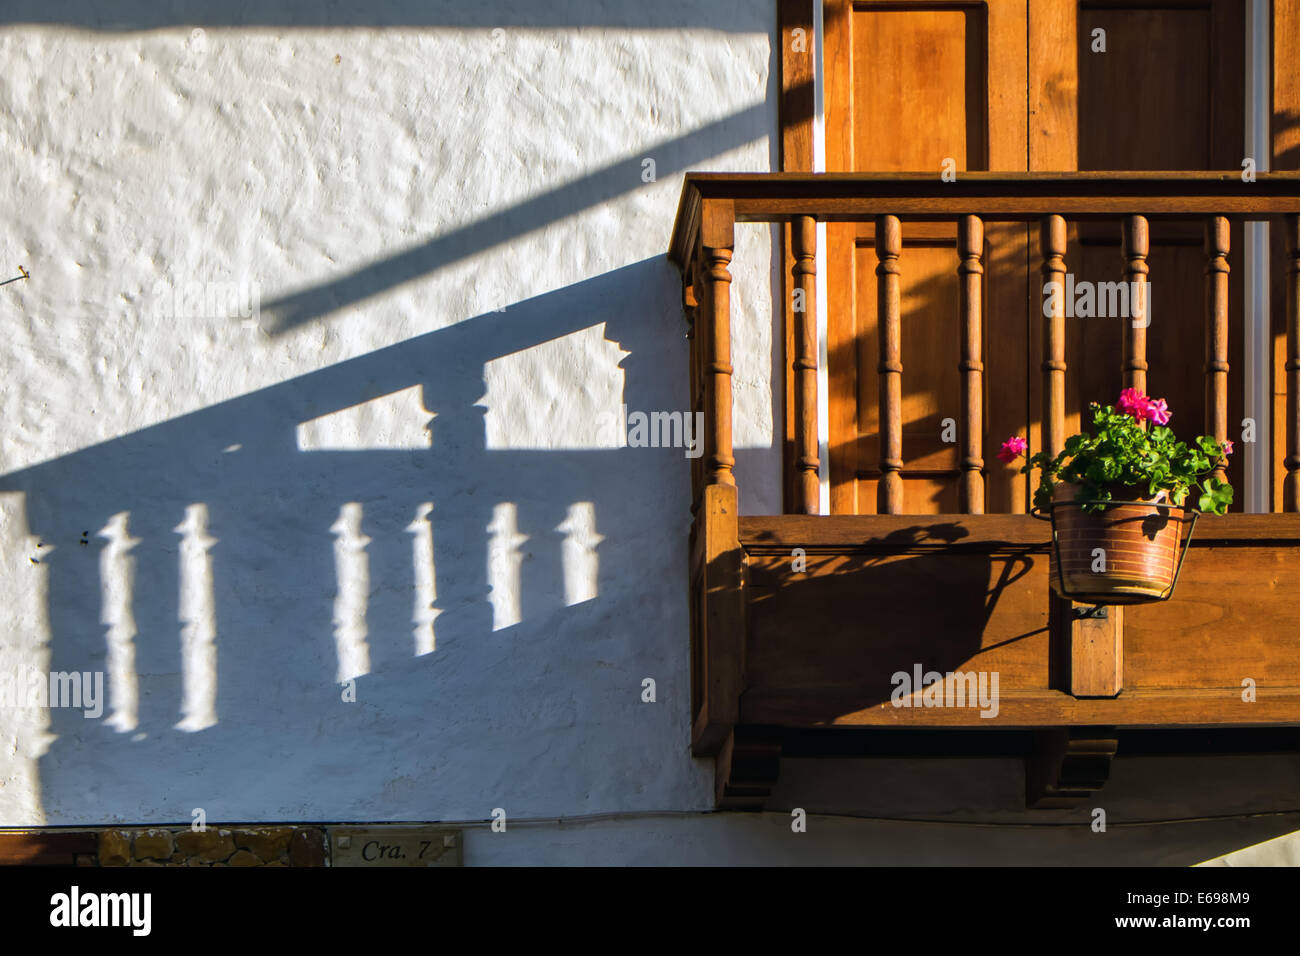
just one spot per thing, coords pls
(703, 243)
(877, 594)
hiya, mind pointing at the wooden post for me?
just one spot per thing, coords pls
(1135, 246)
(807, 488)
(1291, 485)
(1053, 243)
(970, 248)
(1097, 654)
(1216, 333)
(889, 245)
(717, 619)
(717, 238)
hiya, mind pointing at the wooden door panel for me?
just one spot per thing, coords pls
(1147, 98)
(919, 88)
(1168, 92)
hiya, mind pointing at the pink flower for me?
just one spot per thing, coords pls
(1132, 402)
(1142, 407)
(1227, 448)
(1012, 449)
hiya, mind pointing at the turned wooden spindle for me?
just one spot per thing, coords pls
(691, 305)
(1135, 247)
(889, 245)
(1216, 333)
(1052, 239)
(1291, 485)
(970, 249)
(807, 492)
(717, 237)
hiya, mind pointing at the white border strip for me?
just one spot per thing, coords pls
(1258, 398)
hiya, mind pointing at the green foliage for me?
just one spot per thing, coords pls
(1122, 455)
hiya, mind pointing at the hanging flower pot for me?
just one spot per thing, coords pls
(1130, 550)
(1117, 500)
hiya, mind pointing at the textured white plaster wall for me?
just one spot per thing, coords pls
(378, 475)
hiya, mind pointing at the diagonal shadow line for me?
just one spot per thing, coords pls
(672, 156)
(461, 351)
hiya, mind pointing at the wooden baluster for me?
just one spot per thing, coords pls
(889, 245)
(696, 404)
(717, 237)
(1291, 486)
(970, 248)
(807, 488)
(1216, 332)
(1052, 239)
(1135, 246)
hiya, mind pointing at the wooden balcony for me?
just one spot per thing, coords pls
(804, 620)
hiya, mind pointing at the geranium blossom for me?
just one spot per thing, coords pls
(1012, 449)
(1132, 402)
(1143, 407)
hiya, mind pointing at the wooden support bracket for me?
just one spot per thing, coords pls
(1097, 650)
(1067, 766)
(747, 767)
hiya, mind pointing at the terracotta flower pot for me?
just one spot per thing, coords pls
(1139, 544)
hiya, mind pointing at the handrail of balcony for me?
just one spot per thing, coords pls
(703, 242)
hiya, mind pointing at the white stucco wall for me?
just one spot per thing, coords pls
(267, 512)
(380, 476)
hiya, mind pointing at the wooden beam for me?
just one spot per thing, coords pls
(747, 767)
(1067, 766)
(1211, 707)
(718, 636)
(907, 534)
(1097, 652)
(1007, 197)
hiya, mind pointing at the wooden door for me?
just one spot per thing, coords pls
(1011, 85)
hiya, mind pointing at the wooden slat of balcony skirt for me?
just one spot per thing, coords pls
(1181, 708)
(772, 533)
